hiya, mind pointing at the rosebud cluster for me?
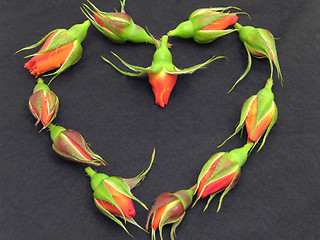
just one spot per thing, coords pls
(112, 195)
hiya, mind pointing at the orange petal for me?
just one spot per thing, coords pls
(222, 23)
(49, 60)
(125, 203)
(254, 134)
(162, 84)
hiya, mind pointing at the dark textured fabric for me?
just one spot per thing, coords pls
(46, 197)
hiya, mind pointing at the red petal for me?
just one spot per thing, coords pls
(71, 144)
(218, 185)
(175, 212)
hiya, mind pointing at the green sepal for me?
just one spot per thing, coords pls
(133, 182)
(196, 67)
(273, 121)
(132, 221)
(244, 114)
(210, 199)
(111, 216)
(246, 71)
(268, 37)
(201, 10)
(175, 225)
(207, 36)
(38, 43)
(55, 130)
(132, 67)
(230, 186)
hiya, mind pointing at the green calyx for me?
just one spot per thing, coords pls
(55, 131)
(96, 178)
(186, 196)
(40, 86)
(79, 31)
(241, 154)
(162, 58)
(183, 30)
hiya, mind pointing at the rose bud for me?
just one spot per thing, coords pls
(71, 145)
(261, 44)
(259, 113)
(43, 104)
(112, 195)
(206, 24)
(162, 73)
(169, 208)
(117, 26)
(221, 172)
(61, 49)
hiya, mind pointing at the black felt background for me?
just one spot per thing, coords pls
(277, 197)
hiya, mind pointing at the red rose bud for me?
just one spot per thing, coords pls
(259, 113)
(71, 145)
(261, 44)
(43, 104)
(117, 26)
(61, 49)
(221, 172)
(169, 208)
(112, 195)
(162, 73)
(206, 24)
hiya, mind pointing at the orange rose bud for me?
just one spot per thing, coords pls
(162, 84)
(221, 172)
(162, 73)
(113, 197)
(259, 113)
(169, 208)
(43, 104)
(70, 145)
(206, 24)
(61, 49)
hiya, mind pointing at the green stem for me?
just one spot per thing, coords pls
(269, 84)
(55, 131)
(237, 26)
(40, 86)
(90, 171)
